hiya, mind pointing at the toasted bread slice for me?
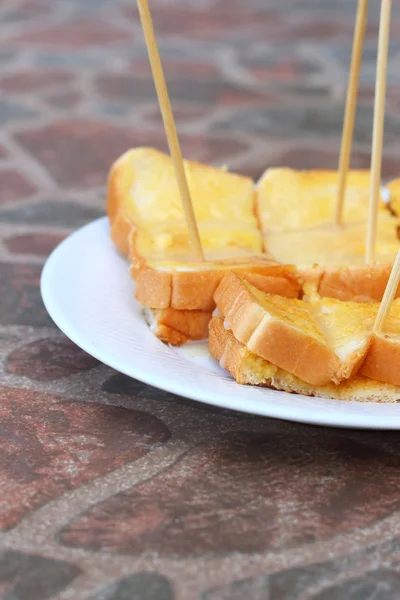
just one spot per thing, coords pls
(347, 329)
(365, 283)
(331, 246)
(179, 297)
(176, 327)
(290, 200)
(383, 359)
(342, 328)
(186, 286)
(374, 355)
(248, 368)
(297, 335)
(296, 210)
(282, 331)
(146, 212)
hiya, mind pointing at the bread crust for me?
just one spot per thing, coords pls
(146, 216)
(382, 362)
(365, 283)
(176, 327)
(194, 289)
(292, 351)
(233, 356)
(118, 184)
(226, 349)
(182, 300)
(275, 340)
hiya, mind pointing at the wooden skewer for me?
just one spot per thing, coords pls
(378, 129)
(390, 291)
(169, 125)
(351, 105)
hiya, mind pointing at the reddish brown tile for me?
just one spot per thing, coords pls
(58, 212)
(183, 114)
(318, 29)
(15, 186)
(73, 34)
(49, 359)
(34, 577)
(27, 10)
(40, 244)
(306, 121)
(126, 88)
(143, 586)
(212, 148)
(369, 585)
(20, 300)
(12, 112)
(247, 492)
(3, 152)
(65, 100)
(193, 68)
(61, 146)
(31, 81)
(195, 21)
(127, 386)
(335, 580)
(53, 445)
(327, 158)
(176, 68)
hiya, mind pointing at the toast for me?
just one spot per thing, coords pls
(318, 340)
(147, 224)
(291, 201)
(248, 368)
(315, 340)
(331, 246)
(146, 214)
(176, 327)
(296, 210)
(185, 286)
(179, 297)
(383, 359)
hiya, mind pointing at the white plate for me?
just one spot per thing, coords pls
(88, 293)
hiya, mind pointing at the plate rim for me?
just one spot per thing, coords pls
(324, 418)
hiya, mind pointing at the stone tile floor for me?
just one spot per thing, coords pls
(114, 490)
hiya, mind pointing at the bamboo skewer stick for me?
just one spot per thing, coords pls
(169, 125)
(378, 129)
(351, 105)
(390, 292)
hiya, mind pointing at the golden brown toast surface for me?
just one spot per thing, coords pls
(328, 245)
(280, 330)
(144, 196)
(290, 200)
(248, 368)
(147, 221)
(296, 212)
(298, 335)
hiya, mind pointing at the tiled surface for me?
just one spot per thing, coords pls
(112, 490)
